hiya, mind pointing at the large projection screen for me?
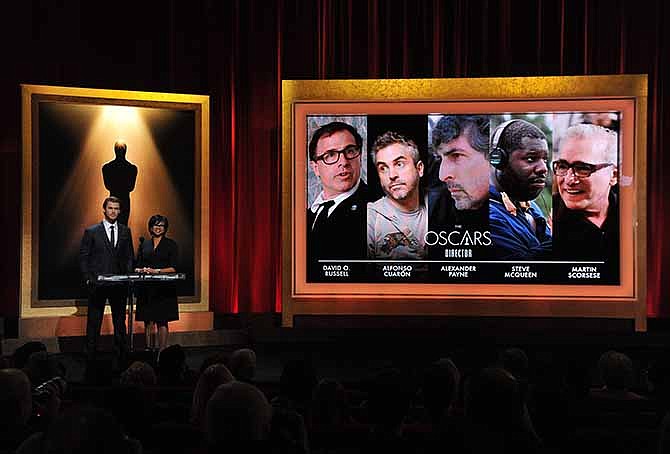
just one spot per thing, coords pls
(541, 211)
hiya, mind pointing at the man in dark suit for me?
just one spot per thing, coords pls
(106, 248)
(336, 220)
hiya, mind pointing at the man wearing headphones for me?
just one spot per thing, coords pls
(518, 158)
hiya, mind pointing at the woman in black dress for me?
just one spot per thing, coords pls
(157, 301)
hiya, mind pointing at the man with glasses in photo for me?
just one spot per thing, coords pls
(336, 220)
(586, 208)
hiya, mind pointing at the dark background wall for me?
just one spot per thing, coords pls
(238, 51)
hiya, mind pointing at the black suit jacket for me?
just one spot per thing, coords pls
(345, 234)
(98, 256)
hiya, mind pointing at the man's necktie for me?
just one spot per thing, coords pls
(111, 235)
(322, 217)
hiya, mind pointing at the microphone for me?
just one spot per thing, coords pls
(140, 255)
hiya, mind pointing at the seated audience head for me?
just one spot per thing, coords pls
(21, 354)
(493, 399)
(139, 373)
(41, 367)
(16, 403)
(616, 370)
(330, 404)
(210, 379)
(243, 364)
(297, 381)
(172, 365)
(215, 358)
(389, 399)
(132, 404)
(440, 387)
(237, 412)
(84, 430)
(515, 361)
(659, 378)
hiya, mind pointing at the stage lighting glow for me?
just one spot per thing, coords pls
(121, 116)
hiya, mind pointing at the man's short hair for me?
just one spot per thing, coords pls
(475, 128)
(111, 199)
(596, 133)
(330, 129)
(511, 137)
(390, 138)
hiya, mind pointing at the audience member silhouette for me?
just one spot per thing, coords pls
(332, 426)
(237, 413)
(296, 383)
(330, 405)
(616, 372)
(215, 358)
(139, 373)
(290, 409)
(495, 415)
(119, 176)
(133, 406)
(16, 407)
(515, 361)
(22, 353)
(551, 406)
(210, 379)
(172, 368)
(440, 389)
(82, 430)
(243, 364)
(388, 403)
(41, 367)
(489, 415)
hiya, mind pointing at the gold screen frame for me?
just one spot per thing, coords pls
(626, 93)
(31, 96)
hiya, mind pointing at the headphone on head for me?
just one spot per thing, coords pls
(498, 157)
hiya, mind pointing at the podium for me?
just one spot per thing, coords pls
(132, 280)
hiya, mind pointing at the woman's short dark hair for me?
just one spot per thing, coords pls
(158, 218)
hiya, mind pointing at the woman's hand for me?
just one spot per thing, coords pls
(147, 270)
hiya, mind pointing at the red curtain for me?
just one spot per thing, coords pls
(392, 39)
(238, 51)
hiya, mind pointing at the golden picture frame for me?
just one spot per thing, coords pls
(625, 94)
(68, 133)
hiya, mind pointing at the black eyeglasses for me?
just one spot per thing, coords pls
(159, 225)
(330, 157)
(579, 169)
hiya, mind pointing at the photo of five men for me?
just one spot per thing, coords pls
(504, 188)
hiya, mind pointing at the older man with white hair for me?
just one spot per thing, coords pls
(586, 208)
